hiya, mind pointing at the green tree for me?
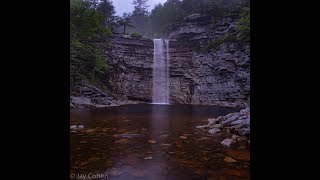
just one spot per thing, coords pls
(140, 7)
(194, 6)
(106, 8)
(93, 3)
(164, 15)
(139, 17)
(173, 11)
(125, 22)
(86, 28)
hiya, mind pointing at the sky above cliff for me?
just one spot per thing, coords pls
(122, 6)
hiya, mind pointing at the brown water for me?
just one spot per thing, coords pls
(147, 141)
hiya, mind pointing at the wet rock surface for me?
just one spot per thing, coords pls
(84, 95)
(236, 124)
(220, 75)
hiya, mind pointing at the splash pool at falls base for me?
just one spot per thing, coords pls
(147, 141)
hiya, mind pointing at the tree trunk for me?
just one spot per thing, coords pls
(124, 29)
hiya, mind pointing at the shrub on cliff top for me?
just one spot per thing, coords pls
(136, 35)
(214, 44)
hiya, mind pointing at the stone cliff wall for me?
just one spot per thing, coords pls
(130, 67)
(219, 76)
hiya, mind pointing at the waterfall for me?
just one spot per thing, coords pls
(160, 74)
(167, 69)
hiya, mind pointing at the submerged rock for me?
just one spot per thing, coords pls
(80, 101)
(129, 135)
(245, 131)
(219, 126)
(165, 144)
(229, 159)
(242, 138)
(227, 142)
(183, 137)
(75, 127)
(122, 141)
(152, 141)
(201, 127)
(115, 172)
(235, 137)
(214, 130)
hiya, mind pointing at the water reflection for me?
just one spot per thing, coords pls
(160, 118)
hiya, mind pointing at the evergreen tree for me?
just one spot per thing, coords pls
(86, 27)
(93, 3)
(125, 22)
(140, 8)
(106, 9)
(139, 17)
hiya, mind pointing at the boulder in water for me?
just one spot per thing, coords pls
(227, 142)
(214, 130)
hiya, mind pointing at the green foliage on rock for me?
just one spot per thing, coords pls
(136, 35)
(214, 44)
(243, 24)
(139, 18)
(165, 15)
(100, 66)
(86, 61)
(88, 24)
(173, 11)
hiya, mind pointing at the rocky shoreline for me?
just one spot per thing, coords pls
(85, 95)
(89, 96)
(237, 126)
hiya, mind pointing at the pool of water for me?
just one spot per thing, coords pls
(149, 141)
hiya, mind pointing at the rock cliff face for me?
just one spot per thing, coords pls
(220, 75)
(130, 67)
(84, 95)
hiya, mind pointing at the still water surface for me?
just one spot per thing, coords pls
(146, 141)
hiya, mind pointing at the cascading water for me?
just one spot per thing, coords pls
(160, 89)
(167, 67)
